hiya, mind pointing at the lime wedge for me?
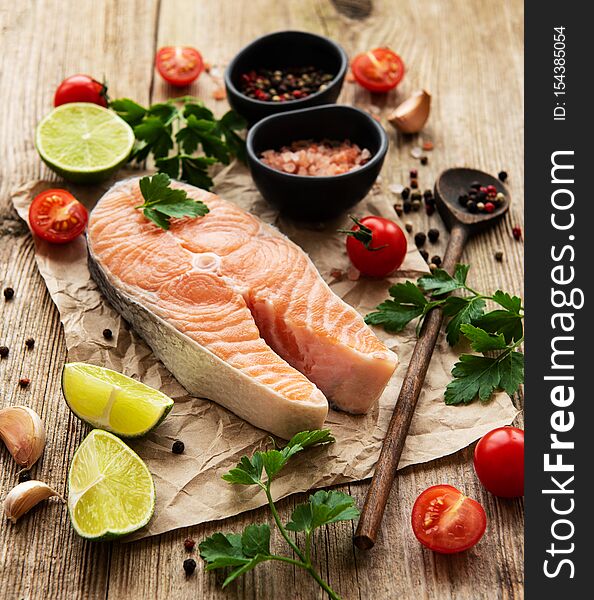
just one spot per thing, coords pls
(83, 142)
(110, 490)
(109, 400)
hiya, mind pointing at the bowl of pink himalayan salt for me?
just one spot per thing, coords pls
(316, 163)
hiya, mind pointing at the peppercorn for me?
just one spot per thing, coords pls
(491, 189)
(416, 205)
(398, 209)
(463, 199)
(24, 382)
(189, 544)
(436, 260)
(408, 227)
(424, 254)
(427, 194)
(424, 160)
(430, 201)
(414, 173)
(471, 206)
(433, 235)
(416, 195)
(420, 238)
(8, 293)
(405, 193)
(189, 566)
(407, 206)
(414, 184)
(502, 175)
(481, 196)
(429, 209)
(489, 207)
(432, 267)
(3, 351)
(107, 334)
(30, 342)
(24, 476)
(476, 185)
(516, 231)
(178, 447)
(498, 256)
(499, 198)
(480, 206)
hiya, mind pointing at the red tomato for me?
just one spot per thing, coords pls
(378, 70)
(499, 461)
(376, 246)
(81, 88)
(446, 521)
(179, 65)
(57, 216)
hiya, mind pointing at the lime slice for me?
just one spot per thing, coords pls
(84, 142)
(109, 400)
(110, 490)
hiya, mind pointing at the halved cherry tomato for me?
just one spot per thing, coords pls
(378, 70)
(179, 65)
(376, 246)
(81, 88)
(446, 521)
(57, 216)
(499, 461)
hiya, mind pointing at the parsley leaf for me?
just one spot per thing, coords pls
(128, 110)
(162, 201)
(481, 341)
(440, 282)
(156, 137)
(323, 508)
(508, 321)
(194, 170)
(511, 372)
(462, 310)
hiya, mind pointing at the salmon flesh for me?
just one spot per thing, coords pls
(236, 311)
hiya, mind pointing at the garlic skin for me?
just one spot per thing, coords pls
(23, 432)
(412, 114)
(22, 498)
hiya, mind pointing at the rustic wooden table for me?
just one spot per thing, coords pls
(469, 54)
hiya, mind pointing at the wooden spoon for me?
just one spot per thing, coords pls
(462, 224)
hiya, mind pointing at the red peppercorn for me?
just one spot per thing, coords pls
(483, 189)
(491, 189)
(517, 232)
(414, 173)
(24, 382)
(189, 544)
(489, 207)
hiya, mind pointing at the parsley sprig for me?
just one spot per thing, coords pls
(242, 552)
(499, 332)
(184, 126)
(161, 201)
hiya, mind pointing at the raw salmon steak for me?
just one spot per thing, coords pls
(236, 311)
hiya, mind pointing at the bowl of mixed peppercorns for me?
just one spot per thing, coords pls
(283, 71)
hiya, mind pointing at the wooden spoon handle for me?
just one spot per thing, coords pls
(387, 464)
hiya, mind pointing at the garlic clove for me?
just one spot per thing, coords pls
(25, 496)
(412, 114)
(23, 432)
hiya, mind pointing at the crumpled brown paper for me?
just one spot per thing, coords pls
(189, 486)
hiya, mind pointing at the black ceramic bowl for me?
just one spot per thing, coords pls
(316, 198)
(285, 49)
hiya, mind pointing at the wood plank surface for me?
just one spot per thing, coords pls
(469, 55)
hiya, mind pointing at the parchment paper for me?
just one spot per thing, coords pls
(189, 486)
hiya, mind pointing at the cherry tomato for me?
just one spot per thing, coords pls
(179, 65)
(81, 88)
(376, 246)
(446, 521)
(57, 216)
(499, 461)
(378, 70)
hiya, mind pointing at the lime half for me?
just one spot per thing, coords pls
(109, 400)
(110, 490)
(84, 142)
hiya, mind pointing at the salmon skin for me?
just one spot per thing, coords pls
(236, 311)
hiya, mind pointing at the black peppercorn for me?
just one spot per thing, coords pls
(498, 256)
(416, 205)
(405, 193)
(429, 209)
(24, 476)
(502, 175)
(178, 447)
(3, 351)
(424, 160)
(398, 209)
(463, 199)
(436, 260)
(414, 173)
(424, 254)
(427, 194)
(107, 334)
(30, 342)
(481, 196)
(433, 235)
(476, 185)
(416, 195)
(420, 239)
(471, 206)
(189, 566)
(8, 293)
(414, 184)
(407, 206)
(409, 227)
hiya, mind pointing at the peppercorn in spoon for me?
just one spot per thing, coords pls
(451, 186)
